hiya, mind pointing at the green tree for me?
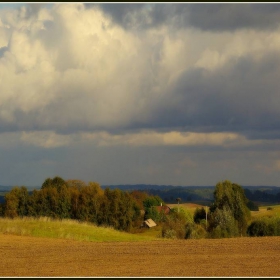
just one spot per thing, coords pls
(265, 226)
(152, 213)
(64, 203)
(16, 202)
(223, 224)
(152, 201)
(75, 183)
(230, 198)
(199, 214)
(252, 206)
(149, 205)
(23, 197)
(11, 203)
(175, 224)
(56, 182)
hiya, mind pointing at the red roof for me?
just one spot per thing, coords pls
(164, 208)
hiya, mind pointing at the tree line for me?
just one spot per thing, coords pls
(74, 199)
(228, 216)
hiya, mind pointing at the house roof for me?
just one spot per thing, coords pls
(150, 223)
(164, 208)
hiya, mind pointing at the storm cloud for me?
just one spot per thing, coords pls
(205, 16)
(135, 78)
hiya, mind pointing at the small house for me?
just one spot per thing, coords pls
(148, 223)
(163, 209)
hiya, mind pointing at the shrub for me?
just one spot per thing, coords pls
(169, 233)
(222, 224)
(258, 228)
(264, 227)
(252, 206)
(199, 214)
(195, 231)
(175, 223)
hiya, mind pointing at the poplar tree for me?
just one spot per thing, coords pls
(230, 197)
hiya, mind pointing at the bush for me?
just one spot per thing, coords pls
(175, 223)
(264, 227)
(222, 224)
(169, 233)
(173, 228)
(195, 231)
(252, 206)
(199, 214)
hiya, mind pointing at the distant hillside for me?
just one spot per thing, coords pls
(201, 193)
(8, 188)
(5, 188)
(169, 193)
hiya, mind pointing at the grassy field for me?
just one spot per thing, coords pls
(268, 211)
(69, 229)
(189, 207)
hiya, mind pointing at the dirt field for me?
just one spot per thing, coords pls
(38, 257)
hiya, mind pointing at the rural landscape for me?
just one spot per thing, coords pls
(114, 232)
(139, 139)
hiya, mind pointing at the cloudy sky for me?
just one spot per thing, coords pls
(155, 93)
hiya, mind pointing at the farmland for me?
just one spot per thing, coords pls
(46, 247)
(38, 257)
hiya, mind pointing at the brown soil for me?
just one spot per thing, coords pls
(38, 257)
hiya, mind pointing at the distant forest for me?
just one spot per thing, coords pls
(201, 194)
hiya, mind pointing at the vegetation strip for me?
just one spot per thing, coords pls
(88, 208)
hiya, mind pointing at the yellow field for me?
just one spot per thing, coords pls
(190, 207)
(263, 211)
(78, 249)
(25, 256)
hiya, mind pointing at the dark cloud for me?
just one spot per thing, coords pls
(212, 16)
(230, 17)
(242, 96)
(239, 97)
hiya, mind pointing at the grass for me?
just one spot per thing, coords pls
(264, 212)
(67, 229)
(190, 207)
(82, 231)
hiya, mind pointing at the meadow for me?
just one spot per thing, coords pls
(83, 231)
(66, 229)
(266, 211)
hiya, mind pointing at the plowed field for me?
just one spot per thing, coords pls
(38, 257)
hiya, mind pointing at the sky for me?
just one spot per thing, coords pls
(140, 93)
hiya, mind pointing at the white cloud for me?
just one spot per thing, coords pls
(72, 78)
(173, 138)
(46, 139)
(72, 67)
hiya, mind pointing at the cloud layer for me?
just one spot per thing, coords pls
(140, 75)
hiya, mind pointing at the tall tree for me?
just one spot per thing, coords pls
(56, 182)
(230, 197)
